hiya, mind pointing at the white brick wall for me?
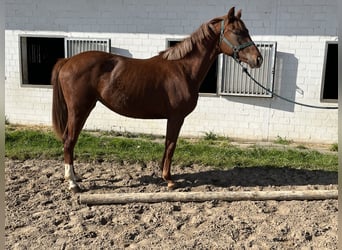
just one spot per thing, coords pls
(140, 28)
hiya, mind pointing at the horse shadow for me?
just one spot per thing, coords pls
(249, 177)
(239, 177)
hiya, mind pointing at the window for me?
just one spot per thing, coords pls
(39, 55)
(77, 45)
(329, 90)
(209, 85)
(233, 81)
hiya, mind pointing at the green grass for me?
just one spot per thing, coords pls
(334, 147)
(210, 136)
(25, 143)
(282, 141)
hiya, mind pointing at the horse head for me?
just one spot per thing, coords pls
(235, 40)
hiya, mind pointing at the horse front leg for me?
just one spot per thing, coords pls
(172, 133)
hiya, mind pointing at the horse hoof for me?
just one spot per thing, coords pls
(75, 189)
(171, 185)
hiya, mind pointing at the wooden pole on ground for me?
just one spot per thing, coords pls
(123, 198)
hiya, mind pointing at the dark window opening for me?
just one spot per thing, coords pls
(329, 92)
(38, 56)
(209, 84)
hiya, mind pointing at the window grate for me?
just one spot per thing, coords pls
(234, 82)
(75, 46)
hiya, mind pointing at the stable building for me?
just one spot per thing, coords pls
(298, 40)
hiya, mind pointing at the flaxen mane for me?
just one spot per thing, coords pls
(181, 49)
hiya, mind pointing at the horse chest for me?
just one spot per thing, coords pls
(183, 103)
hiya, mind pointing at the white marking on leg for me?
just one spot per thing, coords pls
(70, 176)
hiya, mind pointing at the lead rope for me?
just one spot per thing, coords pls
(245, 70)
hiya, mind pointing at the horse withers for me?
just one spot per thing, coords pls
(165, 86)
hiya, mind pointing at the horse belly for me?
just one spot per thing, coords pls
(143, 107)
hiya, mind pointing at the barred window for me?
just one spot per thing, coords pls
(232, 81)
(77, 45)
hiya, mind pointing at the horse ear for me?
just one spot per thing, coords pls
(238, 14)
(231, 14)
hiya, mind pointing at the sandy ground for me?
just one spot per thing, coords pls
(42, 214)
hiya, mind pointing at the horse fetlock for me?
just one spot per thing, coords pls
(166, 177)
(71, 178)
(70, 173)
(170, 183)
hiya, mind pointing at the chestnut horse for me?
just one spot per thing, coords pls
(165, 86)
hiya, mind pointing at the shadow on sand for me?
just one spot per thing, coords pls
(238, 177)
(251, 176)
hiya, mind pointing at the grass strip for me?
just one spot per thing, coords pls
(29, 143)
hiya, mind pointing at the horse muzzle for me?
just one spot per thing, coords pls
(256, 62)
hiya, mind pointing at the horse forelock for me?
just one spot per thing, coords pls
(181, 49)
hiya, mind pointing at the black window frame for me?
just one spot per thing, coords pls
(49, 59)
(329, 85)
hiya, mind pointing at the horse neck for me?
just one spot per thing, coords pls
(199, 61)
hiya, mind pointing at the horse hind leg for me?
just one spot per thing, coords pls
(70, 139)
(75, 124)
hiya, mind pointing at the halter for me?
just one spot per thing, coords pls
(235, 49)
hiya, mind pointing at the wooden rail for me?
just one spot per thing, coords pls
(123, 198)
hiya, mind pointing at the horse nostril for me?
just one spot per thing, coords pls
(259, 60)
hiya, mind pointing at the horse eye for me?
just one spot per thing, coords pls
(237, 32)
(241, 32)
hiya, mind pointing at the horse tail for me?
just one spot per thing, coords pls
(59, 108)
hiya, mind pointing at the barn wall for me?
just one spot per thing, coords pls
(140, 28)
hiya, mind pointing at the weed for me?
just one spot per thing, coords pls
(301, 146)
(282, 141)
(210, 136)
(334, 147)
(7, 122)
